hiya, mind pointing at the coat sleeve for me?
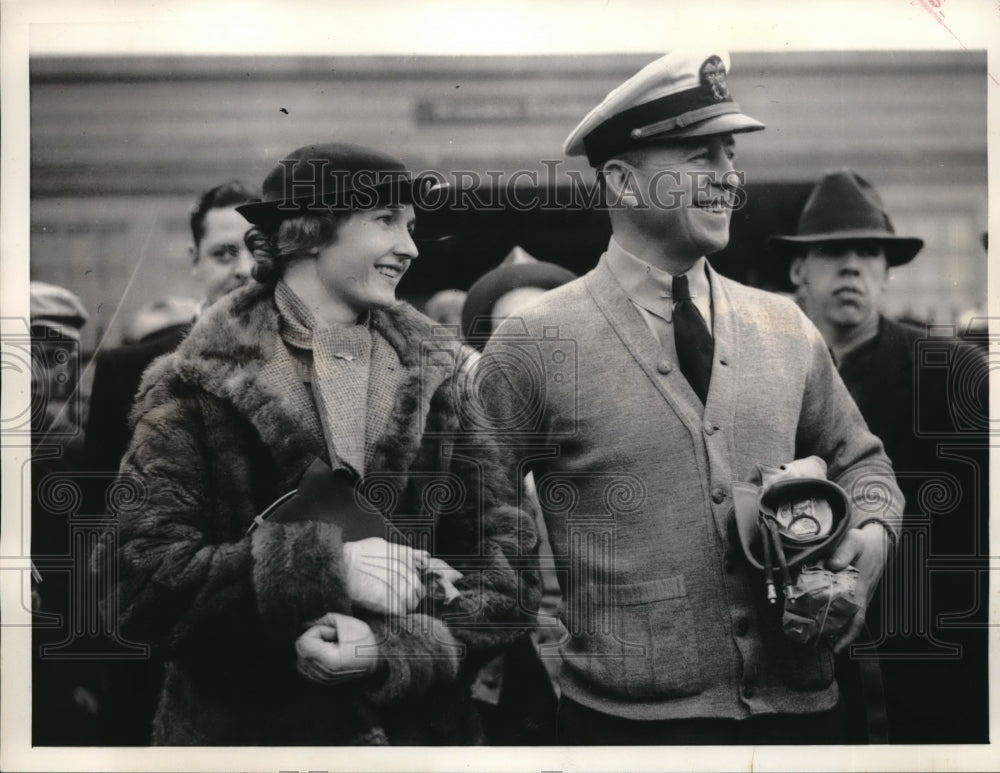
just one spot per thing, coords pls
(483, 532)
(188, 578)
(831, 426)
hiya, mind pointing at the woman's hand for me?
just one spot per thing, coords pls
(383, 576)
(335, 649)
(441, 578)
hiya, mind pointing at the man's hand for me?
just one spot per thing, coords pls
(385, 577)
(335, 649)
(866, 549)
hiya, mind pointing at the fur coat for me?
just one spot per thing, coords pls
(221, 431)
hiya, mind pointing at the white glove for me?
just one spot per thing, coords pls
(383, 576)
(335, 649)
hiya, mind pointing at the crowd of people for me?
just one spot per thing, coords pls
(648, 505)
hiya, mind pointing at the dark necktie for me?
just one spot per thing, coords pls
(692, 339)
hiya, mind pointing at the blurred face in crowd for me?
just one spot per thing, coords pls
(445, 307)
(841, 283)
(511, 302)
(685, 193)
(362, 267)
(222, 261)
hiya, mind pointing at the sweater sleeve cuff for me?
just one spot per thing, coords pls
(884, 524)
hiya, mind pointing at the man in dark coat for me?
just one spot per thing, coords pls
(925, 399)
(221, 263)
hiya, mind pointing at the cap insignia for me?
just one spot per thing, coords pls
(713, 79)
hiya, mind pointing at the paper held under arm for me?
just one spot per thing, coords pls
(331, 496)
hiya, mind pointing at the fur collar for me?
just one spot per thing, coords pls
(235, 353)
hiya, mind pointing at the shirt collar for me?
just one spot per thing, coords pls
(649, 287)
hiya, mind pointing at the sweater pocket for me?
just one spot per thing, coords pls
(657, 616)
(647, 651)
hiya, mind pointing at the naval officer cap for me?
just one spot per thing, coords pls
(682, 94)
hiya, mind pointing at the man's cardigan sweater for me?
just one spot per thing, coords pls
(666, 620)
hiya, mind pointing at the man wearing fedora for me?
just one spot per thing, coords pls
(839, 261)
(662, 385)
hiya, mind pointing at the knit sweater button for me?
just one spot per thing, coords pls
(710, 428)
(749, 691)
(741, 628)
(663, 366)
(718, 495)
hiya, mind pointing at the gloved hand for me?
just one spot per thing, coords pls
(441, 579)
(385, 577)
(336, 648)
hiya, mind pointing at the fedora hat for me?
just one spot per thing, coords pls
(333, 176)
(843, 206)
(681, 94)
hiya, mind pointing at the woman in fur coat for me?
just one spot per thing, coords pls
(285, 631)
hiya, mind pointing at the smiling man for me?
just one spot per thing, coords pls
(663, 384)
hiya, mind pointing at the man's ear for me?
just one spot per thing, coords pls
(619, 181)
(193, 254)
(797, 271)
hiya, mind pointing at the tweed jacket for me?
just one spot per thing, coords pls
(634, 475)
(222, 428)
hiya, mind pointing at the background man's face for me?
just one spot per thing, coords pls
(841, 283)
(222, 260)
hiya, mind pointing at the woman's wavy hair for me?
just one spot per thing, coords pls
(293, 237)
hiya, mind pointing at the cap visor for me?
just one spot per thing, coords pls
(729, 123)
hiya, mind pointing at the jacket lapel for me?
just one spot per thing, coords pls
(235, 353)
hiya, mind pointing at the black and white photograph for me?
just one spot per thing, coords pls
(440, 386)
